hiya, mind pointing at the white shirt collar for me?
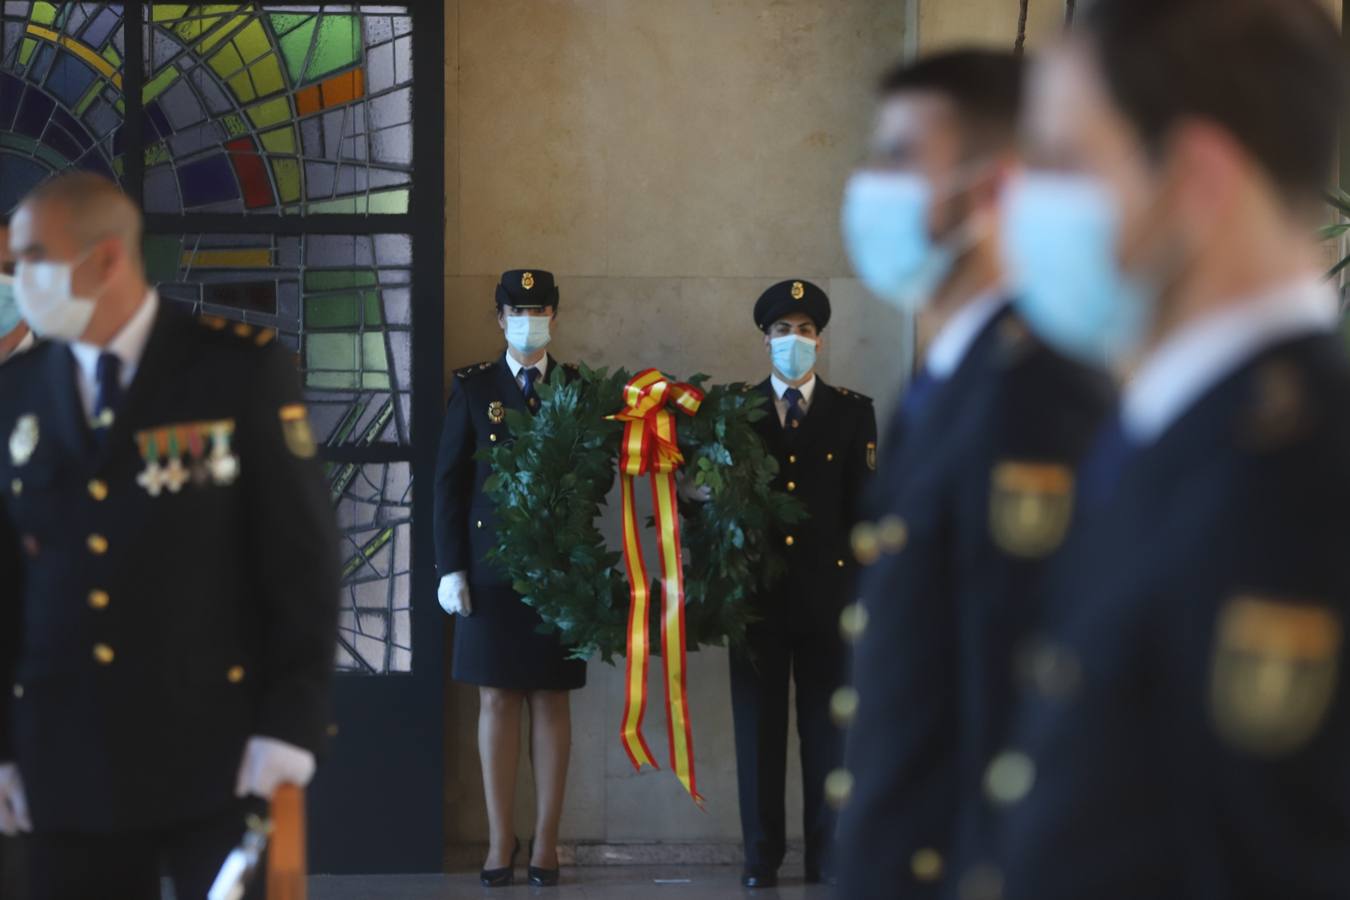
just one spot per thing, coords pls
(1187, 364)
(954, 341)
(515, 367)
(128, 344)
(780, 388)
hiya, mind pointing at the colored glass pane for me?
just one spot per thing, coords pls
(60, 90)
(322, 92)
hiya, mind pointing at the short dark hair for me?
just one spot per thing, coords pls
(1270, 72)
(984, 86)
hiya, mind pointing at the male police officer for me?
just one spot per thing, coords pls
(1187, 721)
(824, 439)
(978, 485)
(168, 577)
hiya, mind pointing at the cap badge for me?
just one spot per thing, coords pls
(798, 290)
(527, 280)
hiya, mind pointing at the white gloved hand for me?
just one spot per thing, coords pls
(268, 764)
(453, 593)
(13, 802)
(688, 488)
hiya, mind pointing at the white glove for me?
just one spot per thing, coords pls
(690, 490)
(453, 594)
(13, 802)
(268, 764)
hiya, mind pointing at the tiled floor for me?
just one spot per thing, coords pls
(638, 883)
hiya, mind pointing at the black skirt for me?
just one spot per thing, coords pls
(500, 646)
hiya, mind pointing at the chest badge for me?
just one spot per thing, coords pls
(1030, 506)
(496, 412)
(23, 440)
(872, 455)
(299, 436)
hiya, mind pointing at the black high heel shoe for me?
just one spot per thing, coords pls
(504, 877)
(542, 877)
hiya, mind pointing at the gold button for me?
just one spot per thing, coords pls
(480, 523)
(791, 486)
(789, 540)
(844, 705)
(103, 654)
(853, 622)
(792, 458)
(926, 864)
(829, 457)
(892, 534)
(98, 490)
(18, 692)
(16, 486)
(493, 438)
(332, 731)
(796, 423)
(1009, 777)
(235, 674)
(840, 563)
(98, 544)
(838, 787)
(99, 599)
(30, 545)
(866, 543)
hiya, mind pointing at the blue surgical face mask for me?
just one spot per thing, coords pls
(793, 356)
(885, 222)
(10, 317)
(528, 334)
(1059, 238)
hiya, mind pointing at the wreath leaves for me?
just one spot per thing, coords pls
(552, 479)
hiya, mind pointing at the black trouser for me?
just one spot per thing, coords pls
(13, 883)
(759, 704)
(130, 865)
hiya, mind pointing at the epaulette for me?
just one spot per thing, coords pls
(853, 395)
(1279, 411)
(260, 337)
(475, 369)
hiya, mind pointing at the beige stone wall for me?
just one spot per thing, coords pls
(668, 161)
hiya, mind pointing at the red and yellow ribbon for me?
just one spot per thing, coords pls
(650, 448)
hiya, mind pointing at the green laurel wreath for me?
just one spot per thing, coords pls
(552, 478)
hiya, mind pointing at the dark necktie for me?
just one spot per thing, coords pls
(795, 412)
(920, 391)
(1101, 469)
(527, 379)
(108, 396)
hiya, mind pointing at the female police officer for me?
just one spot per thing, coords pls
(498, 645)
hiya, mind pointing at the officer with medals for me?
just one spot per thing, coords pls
(168, 571)
(977, 488)
(1186, 718)
(498, 645)
(824, 439)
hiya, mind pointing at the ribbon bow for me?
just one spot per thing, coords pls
(650, 447)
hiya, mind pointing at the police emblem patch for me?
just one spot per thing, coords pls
(527, 281)
(872, 455)
(1030, 505)
(299, 436)
(23, 440)
(798, 290)
(496, 412)
(1274, 673)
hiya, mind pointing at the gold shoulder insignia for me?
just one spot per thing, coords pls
(265, 336)
(215, 323)
(295, 426)
(242, 330)
(1274, 672)
(1030, 505)
(1279, 413)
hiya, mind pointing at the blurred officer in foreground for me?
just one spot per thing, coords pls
(1187, 716)
(978, 485)
(168, 575)
(824, 439)
(499, 644)
(15, 335)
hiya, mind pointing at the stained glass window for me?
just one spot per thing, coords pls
(60, 92)
(343, 303)
(289, 109)
(271, 146)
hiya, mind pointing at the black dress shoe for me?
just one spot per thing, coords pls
(542, 877)
(816, 876)
(504, 877)
(754, 880)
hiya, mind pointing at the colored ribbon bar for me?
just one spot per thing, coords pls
(650, 447)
